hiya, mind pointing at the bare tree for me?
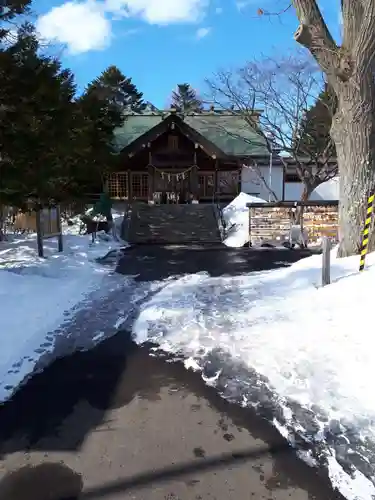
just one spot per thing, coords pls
(349, 69)
(283, 89)
(229, 182)
(259, 178)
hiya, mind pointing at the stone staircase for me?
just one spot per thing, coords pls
(173, 224)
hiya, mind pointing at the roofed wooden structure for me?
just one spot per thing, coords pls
(173, 157)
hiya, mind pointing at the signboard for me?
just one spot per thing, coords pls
(272, 222)
(48, 223)
(270, 225)
(320, 221)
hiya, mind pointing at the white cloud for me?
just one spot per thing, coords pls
(159, 11)
(202, 32)
(87, 25)
(242, 4)
(81, 26)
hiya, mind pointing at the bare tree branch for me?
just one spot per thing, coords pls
(349, 69)
(254, 166)
(314, 35)
(283, 89)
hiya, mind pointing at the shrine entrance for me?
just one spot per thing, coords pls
(171, 187)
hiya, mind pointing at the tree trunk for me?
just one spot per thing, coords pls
(2, 217)
(349, 69)
(308, 188)
(354, 136)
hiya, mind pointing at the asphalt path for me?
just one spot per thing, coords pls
(118, 422)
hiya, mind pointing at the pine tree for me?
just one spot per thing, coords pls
(185, 99)
(36, 96)
(314, 134)
(115, 88)
(98, 115)
(9, 9)
(12, 8)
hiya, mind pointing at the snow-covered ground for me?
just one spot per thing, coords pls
(276, 340)
(236, 216)
(38, 295)
(301, 354)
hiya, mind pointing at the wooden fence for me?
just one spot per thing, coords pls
(273, 223)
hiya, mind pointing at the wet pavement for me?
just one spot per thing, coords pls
(104, 424)
(118, 422)
(157, 262)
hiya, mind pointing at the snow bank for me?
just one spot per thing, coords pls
(329, 190)
(38, 295)
(299, 353)
(236, 214)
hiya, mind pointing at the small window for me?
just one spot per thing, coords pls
(117, 184)
(139, 185)
(292, 178)
(173, 142)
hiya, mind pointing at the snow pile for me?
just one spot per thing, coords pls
(236, 216)
(301, 354)
(328, 190)
(38, 295)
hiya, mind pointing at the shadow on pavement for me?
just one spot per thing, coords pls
(104, 378)
(108, 376)
(86, 385)
(177, 471)
(159, 262)
(47, 481)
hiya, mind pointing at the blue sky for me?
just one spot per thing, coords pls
(160, 43)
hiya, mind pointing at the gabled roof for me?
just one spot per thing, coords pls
(139, 141)
(230, 133)
(135, 125)
(226, 133)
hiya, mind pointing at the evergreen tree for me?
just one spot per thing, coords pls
(36, 97)
(53, 147)
(9, 9)
(185, 99)
(151, 107)
(98, 117)
(12, 8)
(115, 88)
(314, 138)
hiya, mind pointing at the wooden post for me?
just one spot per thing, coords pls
(194, 182)
(151, 183)
(39, 235)
(58, 223)
(326, 261)
(249, 227)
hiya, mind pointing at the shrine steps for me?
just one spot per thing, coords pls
(173, 224)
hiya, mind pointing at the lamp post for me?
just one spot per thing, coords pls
(269, 139)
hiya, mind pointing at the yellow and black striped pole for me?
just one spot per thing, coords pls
(366, 230)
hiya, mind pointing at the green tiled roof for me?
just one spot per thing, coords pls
(134, 126)
(228, 132)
